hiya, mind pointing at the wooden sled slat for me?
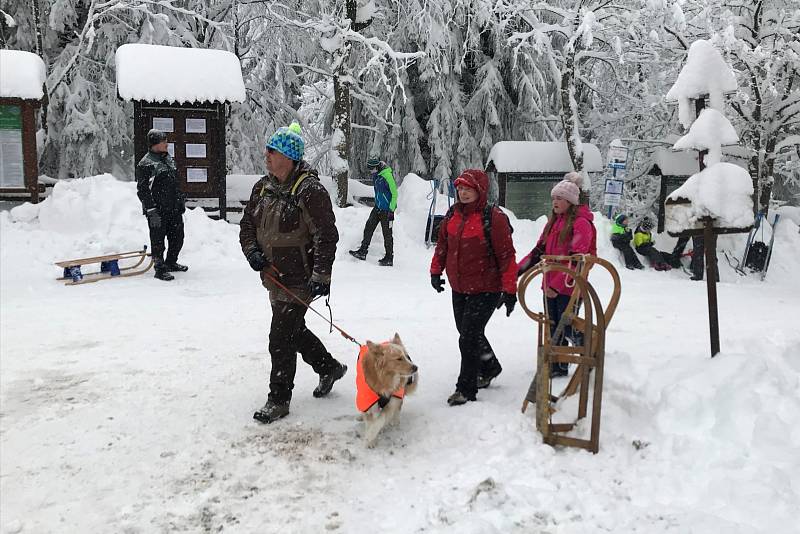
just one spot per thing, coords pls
(97, 259)
(96, 277)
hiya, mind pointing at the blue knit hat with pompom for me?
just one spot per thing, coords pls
(287, 141)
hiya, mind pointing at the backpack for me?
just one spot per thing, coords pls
(757, 256)
(487, 226)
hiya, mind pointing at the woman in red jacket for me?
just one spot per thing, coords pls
(482, 275)
(569, 230)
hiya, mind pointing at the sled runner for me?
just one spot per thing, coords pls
(588, 350)
(109, 267)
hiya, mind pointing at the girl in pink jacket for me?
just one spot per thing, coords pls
(569, 230)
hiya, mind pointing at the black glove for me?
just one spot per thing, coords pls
(153, 218)
(258, 262)
(437, 283)
(318, 289)
(509, 299)
(391, 216)
(534, 258)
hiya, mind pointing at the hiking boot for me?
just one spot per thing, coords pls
(163, 274)
(176, 267)
(326, 381)
(360, 254)
(457, 399)
(558, 370)
(484, 379)
(271, 412)
(386, 261)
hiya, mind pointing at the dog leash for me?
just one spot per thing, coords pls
(307, 305)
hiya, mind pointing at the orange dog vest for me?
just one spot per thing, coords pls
(365, 397)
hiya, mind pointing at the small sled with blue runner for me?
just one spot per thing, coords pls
(109, 267)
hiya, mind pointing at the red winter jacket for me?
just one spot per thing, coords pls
(461, 246)
(583, 241)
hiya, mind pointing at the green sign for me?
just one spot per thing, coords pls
(10, 118)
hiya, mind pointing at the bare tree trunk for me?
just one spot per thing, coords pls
(341, 104)
(569, 111)
(37, 18)
(341, 123)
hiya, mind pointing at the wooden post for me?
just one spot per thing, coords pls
(710, 238)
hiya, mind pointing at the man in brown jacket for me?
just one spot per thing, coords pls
(288, 232)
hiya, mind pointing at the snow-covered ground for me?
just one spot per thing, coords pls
(127, 404)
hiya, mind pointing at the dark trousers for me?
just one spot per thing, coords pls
(698, 263)
(171, 229)
(378, 216)
(472, 314)
(631, 260)
(653, 255)
(555, 309)
(288, 335)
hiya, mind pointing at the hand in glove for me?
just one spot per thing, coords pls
(509, 299)
(391, 216)
(533, 258)
(318, 289)
(258, 262)
(437, 283)
(153, 218)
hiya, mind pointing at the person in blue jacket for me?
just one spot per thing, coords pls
(383, 212)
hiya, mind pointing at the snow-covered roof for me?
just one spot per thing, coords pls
(540, 156)
(178, 75)
(676, 163)
(722, 191)
(711, 130)
(22, 75)
(705, 72)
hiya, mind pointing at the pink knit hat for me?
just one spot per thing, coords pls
(566, 190)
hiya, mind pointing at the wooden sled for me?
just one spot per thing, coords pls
(109, 267)
(590, 356)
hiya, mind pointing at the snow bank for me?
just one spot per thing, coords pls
(22, 75)
(540, 156)
(722, 191)
(95, 216)
(127, 404)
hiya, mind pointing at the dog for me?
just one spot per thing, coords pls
(384, 375)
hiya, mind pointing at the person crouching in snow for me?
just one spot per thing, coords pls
(481, 267)
(621, 237)
(646, 246)
(288, 235)
(569, 230)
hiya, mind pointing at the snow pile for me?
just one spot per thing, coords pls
(178, 75)
(22, 75)
(96, 216)
(705, 73)
(127, 404)
(722, 192)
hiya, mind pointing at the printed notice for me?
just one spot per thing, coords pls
(165, 124)
(195, 126)
(171, 149)
(196, 174)
(11, 168)
(195, 150)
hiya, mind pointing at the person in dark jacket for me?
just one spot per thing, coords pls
(383, 212)
(621, 237)
(163, 204)
(483, 277)
(645, 245)
(288, 235)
